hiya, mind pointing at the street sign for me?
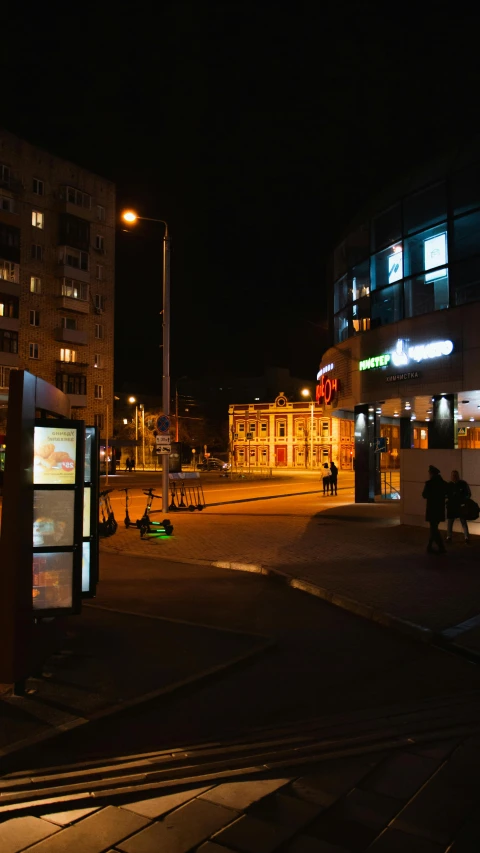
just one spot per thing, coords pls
(162, 439)
(163, 423)
(163, 448)
(249, 436)
(235, 436)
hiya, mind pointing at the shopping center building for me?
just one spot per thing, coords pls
(405, 286)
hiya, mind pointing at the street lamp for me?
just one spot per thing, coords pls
(131, 217)
(134, 400)
(307, 393)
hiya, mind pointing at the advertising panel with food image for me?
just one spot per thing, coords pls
(54, 457)
(52, 580)
(53, 513)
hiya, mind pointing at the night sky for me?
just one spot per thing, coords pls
(256, 130)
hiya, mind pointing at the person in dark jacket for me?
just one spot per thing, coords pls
(458, 491)
(435, 492)
(334, 478)
(326, 478)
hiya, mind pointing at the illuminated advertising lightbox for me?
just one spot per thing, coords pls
(52, 580)
(86, 583)
(435, 249)
(54, 458)
(87, 510)
(90, 514)
(89, 443)
(52, 518)
(58, 515)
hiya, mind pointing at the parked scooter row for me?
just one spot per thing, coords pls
(107, 526)
(145, 524)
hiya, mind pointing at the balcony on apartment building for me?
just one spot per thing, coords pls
(78, 401)
(71, 336)
(75, 202)
(10, 323)
(73, 264)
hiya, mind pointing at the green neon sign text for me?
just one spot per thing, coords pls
(376, 361)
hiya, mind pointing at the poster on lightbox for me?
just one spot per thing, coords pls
(87, 493)
(54, 458)
(52, 580)
(52, 518)
(86, 567)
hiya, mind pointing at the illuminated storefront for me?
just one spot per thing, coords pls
(406, 314)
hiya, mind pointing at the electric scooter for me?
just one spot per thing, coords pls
(127, 520)
(107, 526)
(147, 526)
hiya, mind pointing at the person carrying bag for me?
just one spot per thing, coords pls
(459, 505)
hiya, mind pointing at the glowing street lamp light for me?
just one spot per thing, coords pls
(307, 393)
(131, 217)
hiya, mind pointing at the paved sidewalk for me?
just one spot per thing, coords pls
(356, 555)
(421, 798)
(109, 661)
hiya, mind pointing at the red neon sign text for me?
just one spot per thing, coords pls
(326, 389)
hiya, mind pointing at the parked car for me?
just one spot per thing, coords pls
(212, 464)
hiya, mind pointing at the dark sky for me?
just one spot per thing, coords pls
(255, 130)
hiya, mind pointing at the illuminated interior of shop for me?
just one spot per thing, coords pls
(420, 411)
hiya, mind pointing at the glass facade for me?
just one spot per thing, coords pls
(420, 255)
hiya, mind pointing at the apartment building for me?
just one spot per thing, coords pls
(57, 259)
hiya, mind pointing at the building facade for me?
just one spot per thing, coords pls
(57, 267)
(405, 282)
(285, 434)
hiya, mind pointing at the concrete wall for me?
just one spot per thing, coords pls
(414, 471)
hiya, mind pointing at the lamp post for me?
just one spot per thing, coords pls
(133, 400)
(131, 217)
(307, 393)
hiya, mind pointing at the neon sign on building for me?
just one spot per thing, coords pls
(403, 354)
(325, 369)
(326, 390)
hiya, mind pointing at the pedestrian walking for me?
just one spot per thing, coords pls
(327, 477)
(435, 492)
(458, 491)
(334, 478)
(127, 463)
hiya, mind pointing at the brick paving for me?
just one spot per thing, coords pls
(390, 802)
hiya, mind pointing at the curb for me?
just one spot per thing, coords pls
(365, 611)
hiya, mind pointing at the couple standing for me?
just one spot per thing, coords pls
(330, 477)
(436, 492)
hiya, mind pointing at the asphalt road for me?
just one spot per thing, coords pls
(324, 661)
(217, 489)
